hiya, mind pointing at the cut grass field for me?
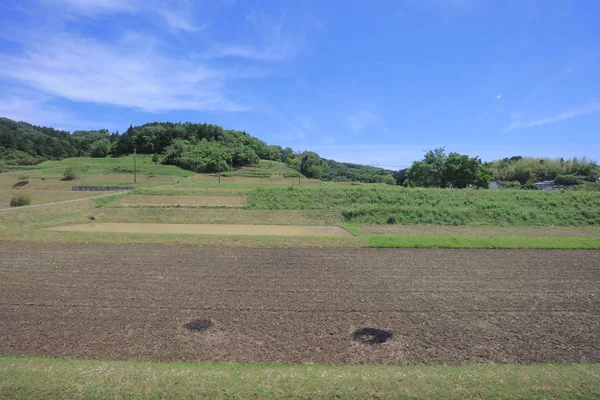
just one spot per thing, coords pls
(57, 379)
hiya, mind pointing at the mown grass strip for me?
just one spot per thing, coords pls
(45, 378)
(483, 242)
(46, 236)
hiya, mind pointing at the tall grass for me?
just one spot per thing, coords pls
(378, 204)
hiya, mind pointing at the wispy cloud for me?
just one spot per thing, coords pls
(498, 97)
(274, 40)
(362, 119)
(37, 109)
(129, 72)
(176, 14)
(518, 123)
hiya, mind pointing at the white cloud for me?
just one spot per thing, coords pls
(363, 118)
(501, 110)
(130, 72)
(177, 14)
(518, 123)
(36, 109)
(275, 40)
(498, 97)
(91, 7)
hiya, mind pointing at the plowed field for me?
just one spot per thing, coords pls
(299, 306)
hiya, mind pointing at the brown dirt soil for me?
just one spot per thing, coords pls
(459, 231)
(206, 229)
(299, 306)
(198, 201)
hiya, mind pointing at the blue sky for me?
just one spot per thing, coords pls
(374, 82)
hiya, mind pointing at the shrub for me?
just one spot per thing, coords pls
(568, 180)
(529, 186)
(100, 148)
(20, 200)
(69, 174)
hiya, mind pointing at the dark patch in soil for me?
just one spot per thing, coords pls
(372, 336)
(198, 325)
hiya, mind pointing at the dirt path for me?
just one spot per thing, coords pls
(59, 202)
(206, 229)
(300, 306)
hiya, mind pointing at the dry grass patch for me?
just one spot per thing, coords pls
(191, 201)
(41, 216)
(40, 196)
(216, 216)
(206, 229)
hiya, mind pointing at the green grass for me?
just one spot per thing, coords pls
(483, 242)
(108, 165)
(380, 204)
(45, 378)
(172, 191)
(107, 200)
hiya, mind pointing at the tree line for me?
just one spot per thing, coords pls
(209, 148)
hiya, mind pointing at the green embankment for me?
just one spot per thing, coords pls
(44, 378)
(108, 165)
(378, 204)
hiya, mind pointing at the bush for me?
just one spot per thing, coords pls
(529, 186)
(20, 200)
(100, 148)
(569, 180)
(69, 174)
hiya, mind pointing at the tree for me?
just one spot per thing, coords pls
(430, 171)
(455, 170)
(313, 166)
(100, 148)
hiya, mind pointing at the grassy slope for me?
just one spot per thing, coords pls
(379, 204)
(39, 378)
(109, 165)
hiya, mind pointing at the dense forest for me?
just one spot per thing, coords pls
(520, 171)
(209, 148)
(198, 147)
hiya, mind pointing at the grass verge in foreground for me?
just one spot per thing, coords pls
(45, 378)
(484, 242)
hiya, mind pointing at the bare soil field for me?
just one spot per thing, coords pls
(206, 229)
(459, 231)
(194, 201)
(392, 306)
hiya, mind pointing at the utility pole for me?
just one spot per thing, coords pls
(299, 162)
(134, 164)
(219, 172)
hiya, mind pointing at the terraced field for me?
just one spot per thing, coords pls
(335, 306)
